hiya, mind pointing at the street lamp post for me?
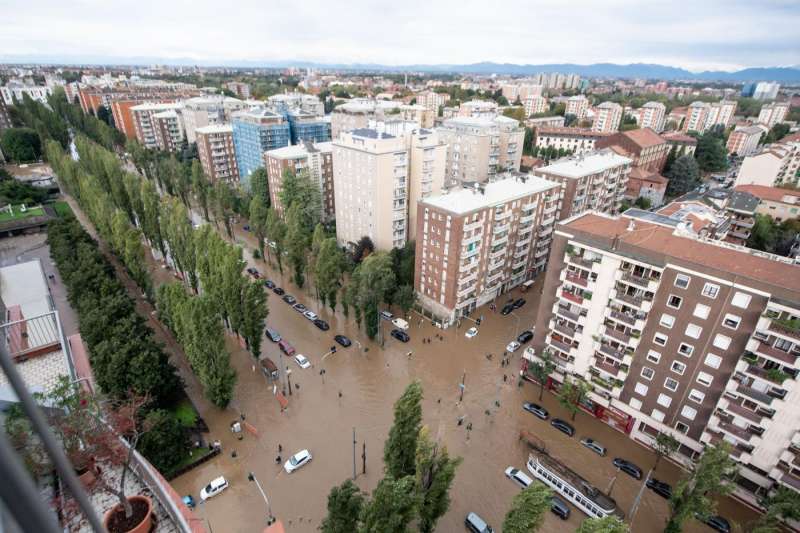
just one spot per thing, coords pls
(289, 379)
(270, 518)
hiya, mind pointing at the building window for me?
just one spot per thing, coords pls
(701, 311)
(653, 356)
(641, 389)
(705, 379)
(660, 339)
(722, 342)
(657, 415)
(710, 290)
(674, 301)
(664, 400)
(741, 300)
(636, 403)
(731, 321)
(686, 349)
(648, 373)
(697, 396)
(688, 412)
(713, 360)
(682, 281)
(667, 321)
(693, 331)
(680, 427)
(678, 367)
(671, 384)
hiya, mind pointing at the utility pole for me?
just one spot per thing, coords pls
(354, 453)
(270, 518)
(635, 506)
(289, 379)
(364, 458)
(463, 379)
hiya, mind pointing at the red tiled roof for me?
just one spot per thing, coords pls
(644, 137)
(773, 194)
(678, 137)
(659, 240)
(579, 132)
(646, 175)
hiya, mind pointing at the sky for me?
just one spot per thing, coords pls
(696, 35)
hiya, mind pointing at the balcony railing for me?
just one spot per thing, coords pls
(617, 335)
(768, 350)
(572, 278)
(622, 317)
(581, 262)
(754, 394)
(636, 280)
(565, 330)
(608, 350)
(561, 310)
(789, 328)
(560, 346)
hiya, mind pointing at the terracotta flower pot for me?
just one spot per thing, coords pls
(142, 523)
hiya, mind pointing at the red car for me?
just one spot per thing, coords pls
(286, 348)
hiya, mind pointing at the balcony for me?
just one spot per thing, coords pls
(622, 317)
(494, 277)
(524, 241)
(473, 226)
(608, 368)
(549, 211)
(566, 313)
(500, 228)
(497, 253)
(467, 266)
(528, 218)
(786, 328)
(753, 394)
(502, 216)
(617, 335)
(565, 330)
(529, 207)
(548, 221)
(635, 301)
(572, 297)
(519, 264)
(544, 232)
(743, 412)
(579, 261)
(736, 431)
(466, 254)
(576, 280)
(561, 346)
(774, 375)
(767, 350)
(500, 240)
(470, 240)
(636, 280)
(611, 352)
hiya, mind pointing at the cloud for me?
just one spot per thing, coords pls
(694, 34)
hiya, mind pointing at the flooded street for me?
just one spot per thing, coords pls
(370, 380)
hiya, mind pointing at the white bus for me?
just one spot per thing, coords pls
(573, 487)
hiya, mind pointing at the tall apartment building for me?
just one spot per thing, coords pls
(304, 102)
(647, 149)
(240, 89)
(607, 117)
(475, 243)
(765, 91)
(702, 116)
(254, 132)
(432, 100)
(420, 115)
(314, 158)
(17, 90)
(479, 148)
(651, 115)
(744, 141)
(426, 177)
(520, 91)
(306, 126)
(678, 335)
(595, 181)
(478, 109)
(574, 140)
(578, 106)
(683, 144)
(777, 164)
(159, 126)
(773, 113)
(535, 104)
(204, 111)
(357, 113)
(5, 118)
(216, 152)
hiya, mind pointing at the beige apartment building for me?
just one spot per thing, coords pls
(595, 181)
(651, 115)
(607, 117)
(159, 126)
(777, 164)
(772, 114)
(680, 335)
(420, 115)
(357, 113)
(744, 141)
(780, 204)
(702, 116)
(314, 158)
(575, 140)
(432, 100)
(216, 152)
(535, 104)
(480, 148)
(428, 160)
(478, 109)
(578, 106)
(204, 111)
(477, 242)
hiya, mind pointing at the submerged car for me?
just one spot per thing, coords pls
(298, 460)
(216, 486)
(471, 332)
(536, 410)
(302, 361)
(321, 324)
(273, 335)
(400, 335)
(628, 467)
(512, 346)
(563, 426)
(341, 339)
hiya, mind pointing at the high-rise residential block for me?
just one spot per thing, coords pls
(651, 115)
(475, 243)
(314, 158)
(766, 91)
(607, 117)
(479, 148)
(478, 109)
(216, 152)
(702, 116)
(240, 89)
(647, 149)
(5, 118)
(535, 104)
(432, 100)
(595, 181)
(777, 164)
(255, 132)
(772, 114)
(159, 126)
(578, 106)
(306, 126)
(744, 141)
(304, 102)
(573, 140)
(204, 111)
(357, 113)
(427, 154)
(678, 335)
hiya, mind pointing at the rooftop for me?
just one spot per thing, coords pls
(371, 133)
(214, 128)
(152, 106)
(497, 192)
(644, 137)
(585, 165)
(25, 285)
(575, 132)
(742, 201)
(674, 136)
(772, 194)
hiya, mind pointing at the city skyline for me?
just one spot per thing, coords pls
(712, 36)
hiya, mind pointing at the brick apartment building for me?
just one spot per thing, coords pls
(744, 141)
(678, 335)
(314, 158)
(475, 243)
(159, 126)
(648, 150)
(607, 117)
(216, 153)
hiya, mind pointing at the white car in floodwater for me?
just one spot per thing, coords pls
(296, 461)
(471, 332)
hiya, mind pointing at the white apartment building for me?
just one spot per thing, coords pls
(578, 106)
(204, 111)
(159, 126)
(535, 104)
(15, 90)
(521, 91)
(428, 161)
(479, 148)
(766, 90)
(478, 109)
(357, 113)
(650, 115)
(574, 140)
(314, 158)
(607, 117)
(776, 164)
(772, 114)
(307, 103)
(702, 116)
(432, 100)
(744, 141)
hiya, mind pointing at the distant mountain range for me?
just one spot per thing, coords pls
(789, 74)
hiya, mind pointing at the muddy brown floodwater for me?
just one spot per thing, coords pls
(322, 420)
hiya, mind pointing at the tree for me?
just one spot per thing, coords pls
(22, 145)
(609, 524)
(401, 445)
(542, 369)
(517, 113)
(434, 474)
(393, 506)
(570, 119)
(372, 282)
(16, 192)
(201, 187)
(528, 509)
(276, 231)
(664, 446)
(711, 154)
(527, 144)
(297, 188)
(165, 442)
(643, 202)
(254, 307)
(328, 271)
(783, 505)
(684, 176)
(345, 504)
(298, 241)
(258, 221)
(571, 395)
(259, 185)
(223, 206)
(694, 493)
(405, 297)
(363, 248)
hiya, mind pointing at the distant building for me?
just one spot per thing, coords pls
(556, 121)
(305, 126)
(314, 158)
(648, 150)
(255, 132)
(307, 103)
(479, 148)
(777, 164)
(356, 114)
(574, 140)
(216, 152)
(478, 109)
(647, 184)
(650, 115)
(475, 243)
(772, 114)
(607, 117)
(702, 116)
(595, 181)
(578, 106)
(432, 100)
(204, 111)
(240, 89)
(766, 91)
(535, 104)
(781, 204)
(420, 115)
(5, 118)
(16, 90)
(683, 144)
(159, 126)
(744, 141)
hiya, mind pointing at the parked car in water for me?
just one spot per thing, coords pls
(278, 291)
(519, 302)
(400, 323)
(507, 309)
(717, 523)
(216, 486)
(343, 340)
(300, 308)
(268, 283)
(476, 524)
(519, 477)
(289, 299)
(628, 467)
(285, 347)
(386, 315)
(298, 460)
(536, 410)
(311, 315)
(595, 446)
(273, 335)
(563, 426)
(559, 508)
(512, 346)
(471, 332)
(659, 487)
(321, 324)
(302, 361)
(400, 335)
(525, 336)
